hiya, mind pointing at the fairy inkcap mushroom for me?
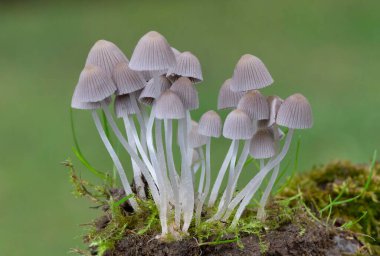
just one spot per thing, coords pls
(238, 126)
(105, 55)
(126, 79)
(262, 144)
(152, 53)
(187, 65)
(196, 139)
(255, 105)
(210, 124)
(274, 104)
(93, 86)
(123, 106)
(250, 74)
(153, 90)
(228, 98)
(169, 106)
(186, 92)
(295, 113)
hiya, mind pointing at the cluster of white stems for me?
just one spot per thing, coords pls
(154, 94)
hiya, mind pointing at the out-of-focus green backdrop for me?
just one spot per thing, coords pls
(327, 50)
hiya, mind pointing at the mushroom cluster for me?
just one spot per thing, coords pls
(154, 93)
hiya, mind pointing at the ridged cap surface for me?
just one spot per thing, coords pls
(90, 105)
(274, 104)
(210, 124)
(187, 65)
(238, 126)
(255, 105)
(195, 139)
(153, 90)
(262, 145)
(169, 106)
(126, 79)
(123, 106)
(186, 92)
(250, 74)
(152, 52)
(295, 113)
(228, 98)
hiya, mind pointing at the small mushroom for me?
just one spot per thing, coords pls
(153, 91)
(126, 79)
(186, 92)
(255, 105)
(262, 144)
(228, 98)
(188, 66)
(250, 74)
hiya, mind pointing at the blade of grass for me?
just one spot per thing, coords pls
(219, 242)
(123, 200)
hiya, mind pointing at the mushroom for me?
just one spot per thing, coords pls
(228, 98)
(169, 107)
(294, 113)
(152, 91)
(255, 105)
(188, 66)
(250, 74)
(237, 126)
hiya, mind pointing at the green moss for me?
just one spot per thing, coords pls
(344, 182)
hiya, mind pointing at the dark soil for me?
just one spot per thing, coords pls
(290, 239)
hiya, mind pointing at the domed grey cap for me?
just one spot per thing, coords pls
(153, 90)
(189, 66)
(238, 126)
(123, 106)
(255, 105)
(90, 105)
(169, 106)
(186, 92)
(262, 145)
(176, 52)
(274, 104)
(210, 124)
(295, 113)
(228, 98)
(250, 74)
(195, 139)
(105, 55)
(152, 52)
(126, 79)
(93, 86)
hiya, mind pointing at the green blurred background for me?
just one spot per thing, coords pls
(327, 50)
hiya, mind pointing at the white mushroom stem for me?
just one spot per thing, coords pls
(115, 159)
(187, 188)
(141, 120)
(219, 179)
(262, 163)
(160, 181)
(264, 199)
(149, 179)
(224, 203)
(173, 175)
(250, 189)
(203, 172)
(136, 171)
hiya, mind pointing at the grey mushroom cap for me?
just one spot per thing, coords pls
(93, 86)
(274, 105)
(152, 53)
(250, 74)
(186, 92)
(153, 90)
(255, 105)
(195, 139)
(295, 113)
(238, 126)
(176, 52)
(123, 106)
(105, 55)
(187, 65)
(90, 105)
(210, 124)
(169, 106)
(228, 98)
(126, 79)
(262, 144)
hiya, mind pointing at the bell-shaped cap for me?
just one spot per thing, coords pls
(274, 104)
(228, 98)
(123, 106)
(105, 55)
(195, 139)
(238, 126)
(90, 105)
(187, 65)
(153, 90)
(250, 74)
(93, 86)
(262, 144)
(186, 92)
(210, 124)
(169, 106)
(295, 113)
(255, 105)
(126, 79)
(152, 53)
